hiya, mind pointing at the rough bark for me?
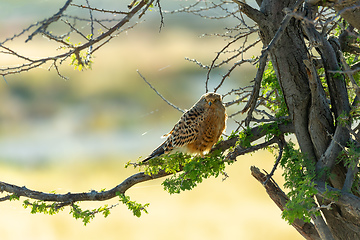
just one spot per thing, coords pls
(350, 11)
(320, 118)
(317, 130)
(287, 58)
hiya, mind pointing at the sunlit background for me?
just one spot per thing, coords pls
(77, 135)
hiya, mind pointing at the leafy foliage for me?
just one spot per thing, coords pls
(42, 207)
(135, 207)
(194, 172)
(85, 215)
(244, 138)
(193, 169)
(271, 90)
(50, 209)
(14, 197)
(88, 215)
(272, 129)
(299, 174)
(170, 163)
(81, 59)
(350, 156)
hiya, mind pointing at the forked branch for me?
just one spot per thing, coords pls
(74, 50)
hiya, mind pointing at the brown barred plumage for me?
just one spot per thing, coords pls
(198, 129)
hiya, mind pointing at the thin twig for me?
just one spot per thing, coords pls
(177, 108)
(255, 93)
(76, 50)
(161, 15)
(45, 23)
(214, 60)
(98, 9)
(88, 55)
(281, 142)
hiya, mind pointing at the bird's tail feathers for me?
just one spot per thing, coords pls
(157, 152)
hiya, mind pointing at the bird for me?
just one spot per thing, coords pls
(198, 129)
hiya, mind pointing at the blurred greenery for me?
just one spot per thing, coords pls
(76, 135)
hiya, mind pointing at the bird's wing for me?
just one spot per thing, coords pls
(187, 129)
(184, 132)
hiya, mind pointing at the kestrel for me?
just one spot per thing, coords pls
(198, 129)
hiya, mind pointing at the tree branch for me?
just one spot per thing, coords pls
(307, 230)
(328, 159)
(254, 134)
(281, 142)
(348, 201)
(75, 50)
(177, 108)
(45, 23)
(240, 150)
(322, 227)
(256, 89)
(252, 13)
(70, 198)
(338, 95)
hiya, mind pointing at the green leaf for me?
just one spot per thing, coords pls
(299, 174)
(194, 171)
(133, 206)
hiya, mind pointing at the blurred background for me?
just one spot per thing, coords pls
(77, 135)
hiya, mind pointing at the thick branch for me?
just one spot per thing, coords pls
(320, 117)
(75, 197)
(350, 11)
(70, 198)
(322, 227)
(348, 201)
(307, 230)
(252, 13)
(253, 135)
(328, 159)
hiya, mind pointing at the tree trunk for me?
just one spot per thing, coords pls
(305, 98)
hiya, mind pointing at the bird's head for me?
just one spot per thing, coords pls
(211, 100)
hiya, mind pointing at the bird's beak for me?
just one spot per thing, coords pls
(209, 103)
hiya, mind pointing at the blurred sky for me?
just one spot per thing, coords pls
(76, 135)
